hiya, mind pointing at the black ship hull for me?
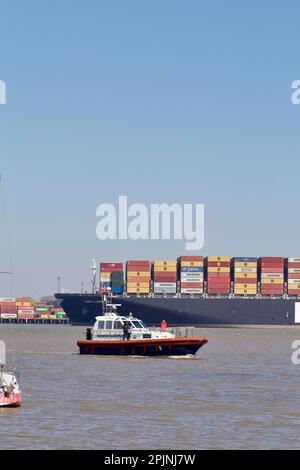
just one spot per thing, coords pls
(83, 308)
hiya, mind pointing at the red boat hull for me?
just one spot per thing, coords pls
(12, 400)
(149, 347)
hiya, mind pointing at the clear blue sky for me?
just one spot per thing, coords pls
(165, 101)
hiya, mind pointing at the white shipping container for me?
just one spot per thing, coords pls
(8, 315)
(272, 275)
(294, 281)
(165, 290)
(245, 270)
(7, 299)
(191, 279)
(165, 284)
(186, 274)
(26, 311)
(190, 290)
(294, 270)
(294, 260)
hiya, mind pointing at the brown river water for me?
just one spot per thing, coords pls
(240, 392)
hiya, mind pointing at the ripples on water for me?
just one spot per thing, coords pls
(240, 392)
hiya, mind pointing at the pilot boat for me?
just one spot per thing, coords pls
(10, 393)
(107, 338)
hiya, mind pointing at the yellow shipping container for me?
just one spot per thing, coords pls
(137, 284)
(45, 316)
(272, 281)
(138, 273)
(165, 269)
(245, 286)
(218, 258)
(218, 270)
(164, 263)
(245, 291)
(245, 275)
(23, 304)
(293, 286)
(191, 263)
(138, 290)
(245, 265)
(108, 275)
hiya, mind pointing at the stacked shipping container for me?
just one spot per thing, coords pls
(25, 307)
(218, 274)
(292, 266)
(271, 275)
(190, 270)
(108, 280)
(245, 276)
(8, 308)
(165, 277)
(138, 276)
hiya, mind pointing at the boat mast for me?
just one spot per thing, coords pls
(5, 273)
(93, 268)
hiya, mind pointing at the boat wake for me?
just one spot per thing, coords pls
(187, 356)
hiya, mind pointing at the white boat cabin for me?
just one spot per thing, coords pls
(110, 326)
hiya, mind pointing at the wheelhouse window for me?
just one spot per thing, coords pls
(118, 325)
(100, 325)
(136, 324)
(108, 325)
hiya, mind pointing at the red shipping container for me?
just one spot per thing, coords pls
(271, 259)
(188, 285)
(272, 265)
(163, 274)
(279, 287)
(293, 275)
(245, 280)
(294, 292)
(272, 270)
(216, 275)
(294, 265)
(137, 279)
(111, 265)
(138, 263)
(190, 258)
(164, 279)
(24, 316)
(220, 280)
(26, 308)
(216, 290)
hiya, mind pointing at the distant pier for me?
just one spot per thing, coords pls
(35, 321)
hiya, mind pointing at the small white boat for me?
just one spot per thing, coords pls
(10, 393)
(108, 338)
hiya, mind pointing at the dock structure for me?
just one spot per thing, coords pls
(35, 321)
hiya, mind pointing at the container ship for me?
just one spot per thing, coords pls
(193, 291)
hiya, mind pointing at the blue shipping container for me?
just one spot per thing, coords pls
(191, 269)
(245, 260)
(117, 290)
